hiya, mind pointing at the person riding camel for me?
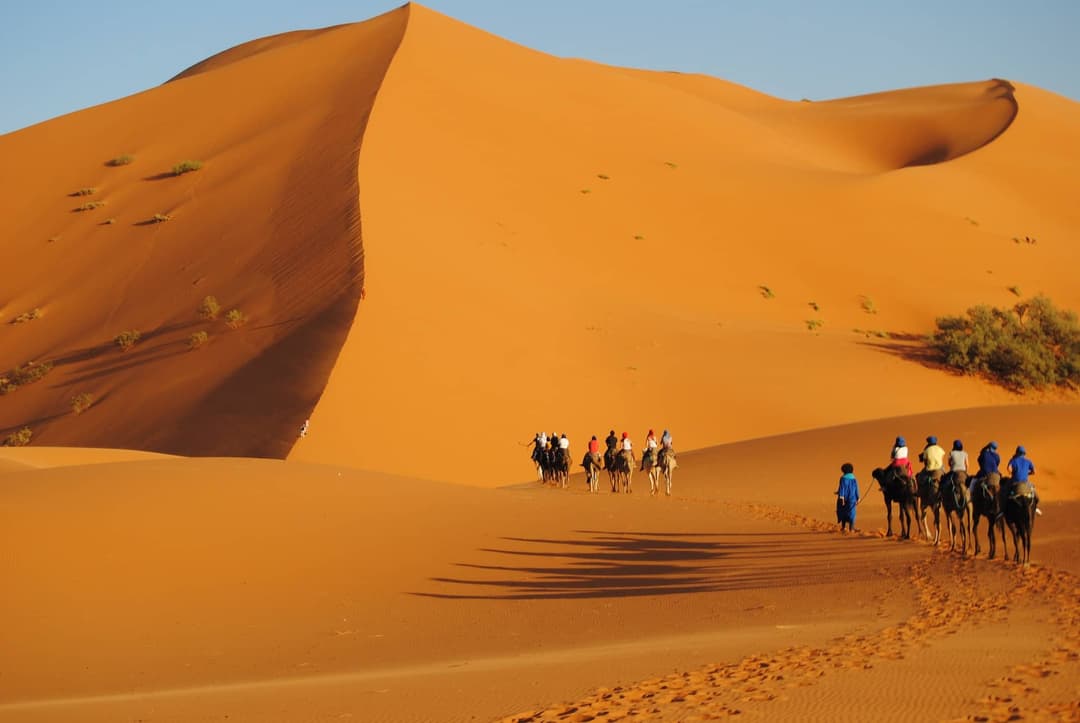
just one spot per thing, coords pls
(627, 451)
(592, 454)
(899, 457)
(612, 449)
(989, 466)
(564, 449)
(1020, 469)
(665, 440)
(933, 458)
(649, 455)
(538, 447)
(958, 465)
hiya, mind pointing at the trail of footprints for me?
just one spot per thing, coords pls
(723, 691)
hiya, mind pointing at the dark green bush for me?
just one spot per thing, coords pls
(1032, 344)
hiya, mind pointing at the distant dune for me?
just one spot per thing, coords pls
(546, 244)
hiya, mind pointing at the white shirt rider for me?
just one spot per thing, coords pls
(564, 443)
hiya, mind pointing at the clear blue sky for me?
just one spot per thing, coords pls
(58, 56)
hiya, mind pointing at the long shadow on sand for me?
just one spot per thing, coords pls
(620, 564)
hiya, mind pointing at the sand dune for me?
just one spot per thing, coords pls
(548, 243)
(444, 242)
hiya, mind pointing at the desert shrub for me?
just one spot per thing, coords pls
(814, 305)
(1033, 344)
(27, 316)
(108, 222)
(121, 160)
(81, 402)
(127, 339)
(814, 324)
(7, 386)
(89, 191)
(29, 373)
(20, 438)
(235, 318)
(868, 305)
(1014, 290)
(209, 308)
(160, 218)
(90, 206)
(186, 167)
(197, 340)
(603, 176)
(766, 292)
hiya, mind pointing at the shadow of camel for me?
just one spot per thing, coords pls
(626, 564)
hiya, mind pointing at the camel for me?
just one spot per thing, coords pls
(1019, 512)
(610, 458)
(561, 467)
(667, 467)
(623, 470)
(592, 463)
(985, 502)
(954, 498)
(897, 487)
(652, 468)
(929, 498)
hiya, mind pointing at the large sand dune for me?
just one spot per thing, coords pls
(445, 242)
(548, 243)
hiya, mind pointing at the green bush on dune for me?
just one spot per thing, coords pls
(1031, 345)
(20, 438)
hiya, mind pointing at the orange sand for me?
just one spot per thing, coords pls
(544, 244)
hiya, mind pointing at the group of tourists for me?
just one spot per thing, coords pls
(552, 457)
(934, 461)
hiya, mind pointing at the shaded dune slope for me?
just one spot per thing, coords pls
(270, 225)
(593, 241)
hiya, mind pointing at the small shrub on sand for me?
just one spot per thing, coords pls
(197, 340)
(766, 292)
(1033, 344)
(814, 324)
(671, 165)
(814, 305)
(121, 160)
(868, 305)
(20, 438)
(127, 339)
(27, 316)
(29, 373)
(586, 190)
(160, 218)
(7, 386)
(186, 167)
(81, 402)
(235, 318)
(108, 222)
(209, 308)
(90, 206)
(84, 192)
(1015, 290)
(639, 237)
(603, 176)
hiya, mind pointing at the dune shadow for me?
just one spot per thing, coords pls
(629, 564)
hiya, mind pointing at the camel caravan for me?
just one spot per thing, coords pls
(552, 458)
(966, 499)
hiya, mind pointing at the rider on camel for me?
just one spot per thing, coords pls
(933, 458)
(899, 457)
(649, 455)
(1020, 469)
